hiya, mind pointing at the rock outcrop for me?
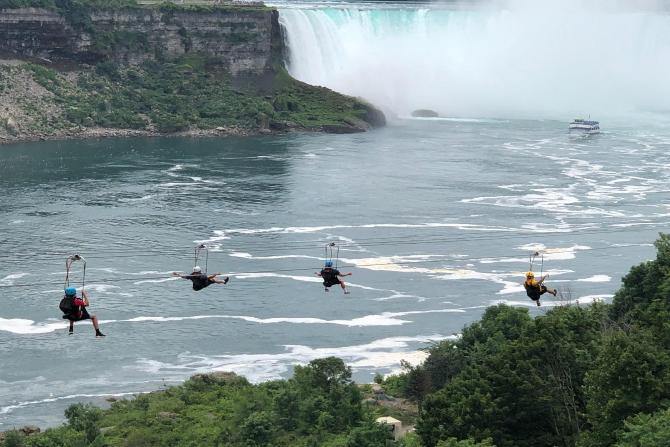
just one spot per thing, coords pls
(89, 71)
(243, 39)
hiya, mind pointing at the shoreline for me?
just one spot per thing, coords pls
(104, 133)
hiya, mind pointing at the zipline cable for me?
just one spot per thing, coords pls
(302, 269)
(370, 242)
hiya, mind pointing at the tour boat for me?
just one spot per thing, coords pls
(587, 126)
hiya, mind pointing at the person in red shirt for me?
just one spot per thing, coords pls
(79, 312)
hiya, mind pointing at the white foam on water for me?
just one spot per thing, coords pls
(145, 281)
(22, 326)
(177, 184)
(383, 353)
(596, 278)
(137, 199)
(9, 408)
(316, 229)
(101, 288)
(393, 263)
(552, 254)
(243, 275)
(214, 242)
(9, 279)
(244, 255)
(400, 295)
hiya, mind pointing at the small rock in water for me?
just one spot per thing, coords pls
(425, 113)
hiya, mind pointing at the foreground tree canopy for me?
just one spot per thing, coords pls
(590, 376)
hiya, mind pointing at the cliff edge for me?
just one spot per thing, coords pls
(78, 68)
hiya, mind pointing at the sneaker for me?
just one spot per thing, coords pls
(99, 334)
(555, 292)
(70, 332)
(346, 292)
(326, 289)
(226, 279)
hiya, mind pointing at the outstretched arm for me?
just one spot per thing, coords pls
(344, 274)
(180, 275)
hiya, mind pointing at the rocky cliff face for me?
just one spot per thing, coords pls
(244, 40)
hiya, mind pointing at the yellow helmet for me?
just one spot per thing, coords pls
(530, 275)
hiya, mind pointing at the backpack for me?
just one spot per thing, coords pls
(67, 305)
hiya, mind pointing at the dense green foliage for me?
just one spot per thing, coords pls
(647, 431)
(190, 93)
(571, 377)
(319, 406)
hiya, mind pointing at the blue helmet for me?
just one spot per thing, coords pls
(329, 263)
(70, 291)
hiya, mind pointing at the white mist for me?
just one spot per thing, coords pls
(517, 58)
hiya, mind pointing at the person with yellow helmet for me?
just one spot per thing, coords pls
(536, 288)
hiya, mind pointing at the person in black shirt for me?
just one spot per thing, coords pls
(201, 280)
(332, 277)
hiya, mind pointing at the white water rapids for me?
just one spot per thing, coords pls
(517, 58)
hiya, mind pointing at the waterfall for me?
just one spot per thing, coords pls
(523, 58)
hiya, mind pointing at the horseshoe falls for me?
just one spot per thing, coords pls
(528, 58)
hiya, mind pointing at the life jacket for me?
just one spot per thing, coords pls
(67, 305)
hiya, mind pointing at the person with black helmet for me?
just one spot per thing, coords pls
(331, 277)
(74, 309)
(536, 288)
(201, 280)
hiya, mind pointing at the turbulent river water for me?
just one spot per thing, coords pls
(434, 217)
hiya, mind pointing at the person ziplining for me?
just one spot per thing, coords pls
(72, 306)
(198, 277)
(331, 275)
(535, 288)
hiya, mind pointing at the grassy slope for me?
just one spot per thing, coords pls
(181, 95)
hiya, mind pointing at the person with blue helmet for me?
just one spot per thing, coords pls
(201, 280)
(74, 309)
(331, 276)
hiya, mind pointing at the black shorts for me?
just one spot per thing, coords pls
(82, 316)
(201, 285)
(331, 282)
(535, 294)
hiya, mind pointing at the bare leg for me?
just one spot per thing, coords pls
(218, 281)
(94, 319)
(344, 287)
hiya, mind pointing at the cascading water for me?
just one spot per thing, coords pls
(552, 58)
